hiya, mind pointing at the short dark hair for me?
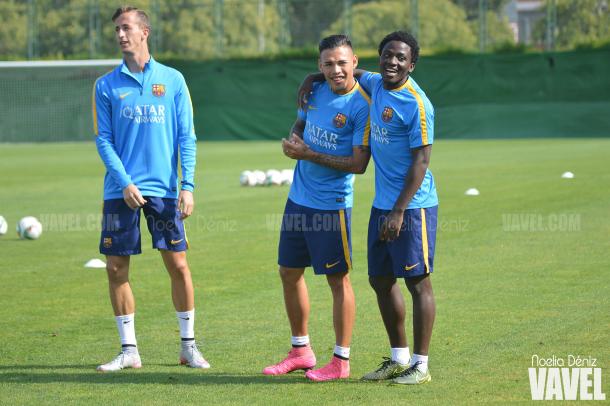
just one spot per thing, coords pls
(142, 16)
(334, 41)
(401, 36)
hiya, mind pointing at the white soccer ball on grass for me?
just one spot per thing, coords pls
(3, 226)
(247, 178)
(259, 177)
(29, 228)
(273, 177)
(287, 175)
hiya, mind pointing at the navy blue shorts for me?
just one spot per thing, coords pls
(318, 238)
(121, 226)
(412, 253)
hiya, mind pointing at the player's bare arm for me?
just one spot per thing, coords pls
(356, 163)
(298, 128)
(295, 148)
(390, 229)
(295, 132)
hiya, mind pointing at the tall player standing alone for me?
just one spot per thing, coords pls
(143, 122)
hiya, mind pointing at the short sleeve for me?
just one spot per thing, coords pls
(362, 125)
(421, 123)
(302, 114)
(368, 80)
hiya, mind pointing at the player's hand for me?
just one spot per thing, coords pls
(390, 229)
(186, 203)
(132, 196)
(295, 147)
(304, 92)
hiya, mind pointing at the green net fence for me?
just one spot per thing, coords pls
(476, 96)
(48, 101)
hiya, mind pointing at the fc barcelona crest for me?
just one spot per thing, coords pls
(158, 90)
(340, 120)
(387, 114)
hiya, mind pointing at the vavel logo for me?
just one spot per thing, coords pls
(574, 378)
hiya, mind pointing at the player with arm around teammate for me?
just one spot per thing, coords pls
(402, 226)
(330, 141)
(143, 122)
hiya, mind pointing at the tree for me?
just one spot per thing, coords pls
(13, 29)
(579, 23)
(498, 32)
(442, 24)
(62, 28)
(471, 7)
(251, 27)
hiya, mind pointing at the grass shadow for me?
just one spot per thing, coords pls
(90, 376)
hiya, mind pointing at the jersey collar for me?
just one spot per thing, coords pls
(403, 86)
(147, 66)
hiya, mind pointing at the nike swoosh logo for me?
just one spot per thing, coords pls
(328, 266)
(174, 242)
(408, 268)
(185, 318)
(312, 108)
(124, 95)
(128, 321)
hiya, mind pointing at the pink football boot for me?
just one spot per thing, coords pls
(298, 358)
(337, 368)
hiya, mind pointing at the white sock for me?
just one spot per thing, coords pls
(127, 330)
(423, 362)
(342, 352)
(299, 341)
(186, 320)
(400, 355)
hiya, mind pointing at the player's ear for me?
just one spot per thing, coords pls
(355, 61)
(411, 67)
(319, 64)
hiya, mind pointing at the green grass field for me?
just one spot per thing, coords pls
(520, 270)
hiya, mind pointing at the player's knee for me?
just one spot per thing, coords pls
(180, 270)
(381, 285)
(117, 273)
(420, 287)
(338, 282)
(289, 275)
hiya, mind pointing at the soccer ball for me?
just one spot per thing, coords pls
(259, 177)
(273, 177)
(3, 226)
(29, 228)
(247, 178)
(287, 175)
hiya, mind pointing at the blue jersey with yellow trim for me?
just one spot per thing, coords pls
(401, 119)
(143, 123)
(334, 124)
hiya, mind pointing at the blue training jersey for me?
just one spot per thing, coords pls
(143, 123)
(334, 124)
(401, 119)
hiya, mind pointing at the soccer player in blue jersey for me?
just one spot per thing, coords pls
(330, 140)
(143, 122)
(402, 226)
